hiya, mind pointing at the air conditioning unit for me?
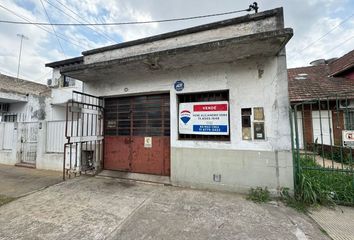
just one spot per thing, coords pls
(52, 82)
(346, 104)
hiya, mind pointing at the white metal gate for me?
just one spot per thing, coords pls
(29, 139)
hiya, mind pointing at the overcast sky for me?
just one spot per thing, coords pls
(310, 19)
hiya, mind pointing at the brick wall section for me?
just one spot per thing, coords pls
(338, 126)
(307, 125)
(13, 85)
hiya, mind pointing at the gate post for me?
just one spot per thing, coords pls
(42, 143)
(17, 141)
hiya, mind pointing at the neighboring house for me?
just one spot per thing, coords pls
(62, 87)
(22, 100)
(343, 66)
(32, 121)
(324, 93)
(206, 106)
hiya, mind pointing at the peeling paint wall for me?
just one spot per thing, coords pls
(246, 90)
(36, 108)
(255, 82)
(252, 79)
(237, 30)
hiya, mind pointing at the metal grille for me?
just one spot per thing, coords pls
(10, 117)
(138, 116)
(55, 136)
(320, 150)
(29, 139)
(84, 133)
(204, 97)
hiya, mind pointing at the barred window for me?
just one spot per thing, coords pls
(349, 120)
(68, 81)
(138, 116)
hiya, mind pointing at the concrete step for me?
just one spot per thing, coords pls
(26, 165)
(136, 176)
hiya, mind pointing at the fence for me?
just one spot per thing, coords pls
(55, 137)
(323, 157)
(6, 135)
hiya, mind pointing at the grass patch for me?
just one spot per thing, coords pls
(317, 185)
(5, 199)
(292, 202)
(321, 186)
(259, 195)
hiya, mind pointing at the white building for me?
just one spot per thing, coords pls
(62, 87)
(32, 121)
(22, 100)
(206, 106)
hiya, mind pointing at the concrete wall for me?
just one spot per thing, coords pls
(36, 108)
(44, 160)
(239, 169)
(60, 96)
(58, 112)
(9, 156)
(255, 82)
(49, 161)
(236, 30)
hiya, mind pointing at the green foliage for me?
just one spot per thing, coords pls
(335, 153)
(308, 161)
(259, 195)
(337, 156)
(290, 201)
(322, 186)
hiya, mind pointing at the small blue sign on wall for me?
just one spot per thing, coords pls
(179, 85)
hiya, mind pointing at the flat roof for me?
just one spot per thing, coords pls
(66, 62)
(278, 12)
(259, 44)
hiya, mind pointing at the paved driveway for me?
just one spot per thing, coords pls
(101, 208)
(19, 181)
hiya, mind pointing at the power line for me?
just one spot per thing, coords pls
(61, 47)
(331, 30)
(97, 29)
(44, 75)
(300, 52)
(129, 23)
(340, 44)
(65, 38)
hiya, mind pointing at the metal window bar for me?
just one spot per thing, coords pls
(82, 152)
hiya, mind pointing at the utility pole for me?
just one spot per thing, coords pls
(19, 57)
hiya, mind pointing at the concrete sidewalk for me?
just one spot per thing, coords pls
(102, 208)
(19, 181)
(338, 222)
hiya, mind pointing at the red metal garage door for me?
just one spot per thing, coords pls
(137, 134)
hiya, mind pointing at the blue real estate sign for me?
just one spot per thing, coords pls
(204, 118)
